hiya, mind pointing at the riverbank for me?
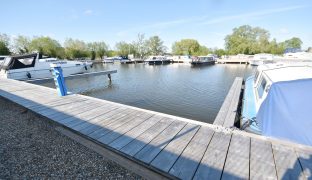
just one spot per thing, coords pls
(31, 148)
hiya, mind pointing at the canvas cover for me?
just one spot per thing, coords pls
(286, 113)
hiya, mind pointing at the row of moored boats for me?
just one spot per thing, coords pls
(157, 60)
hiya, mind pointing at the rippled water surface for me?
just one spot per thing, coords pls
(192, 92)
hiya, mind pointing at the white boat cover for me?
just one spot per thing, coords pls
(286, 113)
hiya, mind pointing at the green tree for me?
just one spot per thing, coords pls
(75, 49)
(293, 43)
(111, 53)
(4, 44)
(92, 49)
(97, 49)
(276, 48)
(4, 50)
(46, 46)
(100, 49)
(155, 46)
(187, 47)
(123, 48)
(219, 52)
(140, 49)
(247, 40)
(22, 44)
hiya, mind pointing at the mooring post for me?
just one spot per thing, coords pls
(109, 77)
(59, 79)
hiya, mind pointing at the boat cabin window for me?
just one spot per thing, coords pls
(261, 87)
(19, 62)
(256, 75)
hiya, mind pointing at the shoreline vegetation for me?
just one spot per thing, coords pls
(243, 40)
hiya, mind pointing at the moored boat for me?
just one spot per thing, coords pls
(277, 102)
(259, 59)
(203, 60)
(157, 60)
(35, 66)
(109, 60)
(2, 59)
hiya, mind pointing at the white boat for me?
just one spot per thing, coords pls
(298, 56)
(203, 60)
(156, 60)
(33, 66)
(277, 102)
(109, 60)
(185, 59)
(2, 59)
(259, 59)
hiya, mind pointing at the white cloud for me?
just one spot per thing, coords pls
(204, 20)
(251, 15)
(283, 31)
(88, 12)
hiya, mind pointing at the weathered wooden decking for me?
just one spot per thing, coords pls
(232, 61)
(168, 146)
(228, 112)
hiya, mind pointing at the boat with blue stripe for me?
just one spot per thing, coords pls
(277, 102)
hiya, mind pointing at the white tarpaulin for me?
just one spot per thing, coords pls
(286, 113)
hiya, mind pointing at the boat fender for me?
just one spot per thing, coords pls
(28, 75)
(91, 66)
(86, 68)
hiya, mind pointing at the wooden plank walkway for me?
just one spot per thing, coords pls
(228, 112)
(232, 61)
(75, 76)
(168, 146)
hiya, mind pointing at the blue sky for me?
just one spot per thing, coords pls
(208, 21)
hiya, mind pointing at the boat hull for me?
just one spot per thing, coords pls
(195, 63)
(43, 73)
(158, 62)
(249, 111)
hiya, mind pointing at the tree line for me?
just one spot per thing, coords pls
(74, 48)
(253, 40)
(243, 40)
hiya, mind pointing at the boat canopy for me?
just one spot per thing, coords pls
(19, 62)
(286, 111)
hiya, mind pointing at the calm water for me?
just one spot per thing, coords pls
(195, 93)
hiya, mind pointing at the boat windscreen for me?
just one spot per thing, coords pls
(19, 62)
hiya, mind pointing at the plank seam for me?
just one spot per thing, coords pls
(184, 149)
(226, 155)
(167, 143)
(203, 155)
(150, 140)
(274, 161)
(249, 155)
(298, 159)
(128, 130)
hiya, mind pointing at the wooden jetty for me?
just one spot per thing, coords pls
(232, 61)
(77, 76)
(228, 113)
(160, 146)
